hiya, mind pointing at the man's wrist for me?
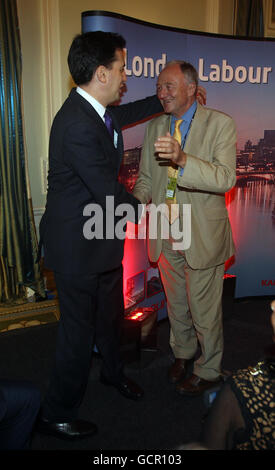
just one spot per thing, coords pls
(182, 159)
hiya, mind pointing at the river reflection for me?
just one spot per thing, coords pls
(250, 207)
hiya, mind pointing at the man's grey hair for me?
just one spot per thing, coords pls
(187, 69)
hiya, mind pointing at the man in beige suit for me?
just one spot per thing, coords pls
(196, 170)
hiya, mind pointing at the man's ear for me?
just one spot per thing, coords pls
(192, 89)
(101, 74)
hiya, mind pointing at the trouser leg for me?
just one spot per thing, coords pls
(194, 303)
(205, 288)
(183, 339)
(109, 322)
(21, 401)
(75, 339)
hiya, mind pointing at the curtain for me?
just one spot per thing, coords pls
(249, 18)
(18, 242)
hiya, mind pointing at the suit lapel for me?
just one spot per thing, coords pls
(193, 141)
(88, 109)
(113, 154)
(163, 127)
(197, 131)
(119, 149)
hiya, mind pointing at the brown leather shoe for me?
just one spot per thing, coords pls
(194, 385)
(177, 371)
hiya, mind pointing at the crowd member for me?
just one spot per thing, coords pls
(189, 158)
(84, 160)
(242, 416)
(85, 154)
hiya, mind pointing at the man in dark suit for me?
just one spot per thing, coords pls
(84, 160)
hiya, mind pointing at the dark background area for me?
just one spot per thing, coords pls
(163, 420)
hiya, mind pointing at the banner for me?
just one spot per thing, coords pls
(239, 77)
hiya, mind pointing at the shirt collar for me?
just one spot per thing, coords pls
(189, 113)
(99, 108)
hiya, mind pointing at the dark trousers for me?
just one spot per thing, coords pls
(19, 406)
(91, 312)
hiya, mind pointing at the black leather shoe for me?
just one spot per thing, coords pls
(73, 430)
(126, 387)
(178, 370)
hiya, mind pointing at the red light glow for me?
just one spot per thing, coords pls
(136, 316)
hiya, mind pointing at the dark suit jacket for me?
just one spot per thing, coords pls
(83, 169)
(3, 405)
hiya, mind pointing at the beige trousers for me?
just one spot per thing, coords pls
(194, 304)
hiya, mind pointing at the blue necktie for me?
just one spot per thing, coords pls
(109, 124)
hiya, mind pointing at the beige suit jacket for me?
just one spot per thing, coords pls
(210, 171)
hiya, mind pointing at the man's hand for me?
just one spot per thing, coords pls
(168, 148)
(201, 95)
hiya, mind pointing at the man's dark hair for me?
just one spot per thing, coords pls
(89, 50)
